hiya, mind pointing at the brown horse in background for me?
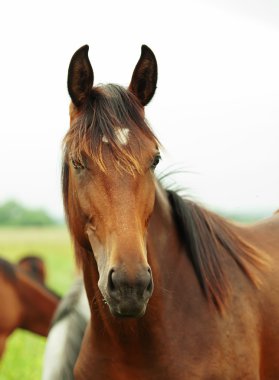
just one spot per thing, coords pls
(176, 292)
(25, 303)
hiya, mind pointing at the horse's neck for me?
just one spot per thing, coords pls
(38, 303)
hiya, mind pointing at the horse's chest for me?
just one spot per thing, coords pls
(120, 371)
(124, 365)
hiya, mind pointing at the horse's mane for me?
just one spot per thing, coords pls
(207, 238)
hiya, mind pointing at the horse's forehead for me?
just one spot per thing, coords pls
(116, 177)
(121, 134)
(139, 146)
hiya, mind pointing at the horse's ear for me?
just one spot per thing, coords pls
(80, 76)
(144, 78)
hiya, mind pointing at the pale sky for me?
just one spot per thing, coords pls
(216, 108)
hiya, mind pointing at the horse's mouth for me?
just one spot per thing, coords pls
(127, 309)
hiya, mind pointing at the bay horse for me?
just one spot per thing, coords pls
(25, 302)
(176, 292)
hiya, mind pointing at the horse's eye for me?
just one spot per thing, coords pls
(155, 161)
(77, 165)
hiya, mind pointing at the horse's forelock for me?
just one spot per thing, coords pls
(111, 110)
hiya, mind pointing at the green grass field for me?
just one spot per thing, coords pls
(23, 357)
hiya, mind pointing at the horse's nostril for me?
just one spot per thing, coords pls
(150, 286)
(111, 285)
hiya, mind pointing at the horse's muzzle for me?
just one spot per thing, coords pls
(128, 297)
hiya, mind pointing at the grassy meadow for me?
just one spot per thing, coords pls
(22, 359)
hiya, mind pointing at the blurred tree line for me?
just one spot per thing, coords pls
(14, 214)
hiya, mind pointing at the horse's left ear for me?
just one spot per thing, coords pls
(80, 76)
(144, 78)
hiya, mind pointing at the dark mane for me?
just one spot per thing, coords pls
(207, 238)
(109, 108)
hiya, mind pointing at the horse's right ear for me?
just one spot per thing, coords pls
(80, 76)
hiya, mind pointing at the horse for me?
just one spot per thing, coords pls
(175, 291)
(25, 302)
(66, 334)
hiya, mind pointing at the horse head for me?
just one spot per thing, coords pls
(109, 185)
